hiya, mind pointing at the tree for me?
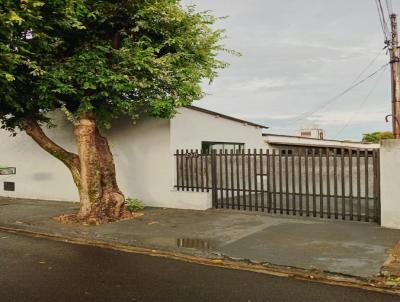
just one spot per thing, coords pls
(376, 137)
(97, 61)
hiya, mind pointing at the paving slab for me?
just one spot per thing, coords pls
(353, 248)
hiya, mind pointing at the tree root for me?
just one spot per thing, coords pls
(96, 217)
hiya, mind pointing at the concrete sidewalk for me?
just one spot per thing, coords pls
(351, 248)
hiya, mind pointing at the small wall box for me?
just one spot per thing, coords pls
(8, 171)
(9, 186)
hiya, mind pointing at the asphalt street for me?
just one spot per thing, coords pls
(33, 269)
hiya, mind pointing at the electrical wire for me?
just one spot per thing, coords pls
(369, 64)
(363, 102)
(333, 99)
(382, 20)
(389, 7)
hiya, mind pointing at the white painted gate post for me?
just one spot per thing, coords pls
(390, 183)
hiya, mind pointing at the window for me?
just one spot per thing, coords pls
(207, 147)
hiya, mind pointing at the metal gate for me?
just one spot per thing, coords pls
(333, 183)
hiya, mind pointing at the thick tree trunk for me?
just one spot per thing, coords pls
(101, 199)
(93, 171)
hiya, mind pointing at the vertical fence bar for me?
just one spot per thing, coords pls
(178, 180)
(183, 171)
(214, 178)
(378, 186)
(268, 182)
(182, 177)
(328, 183)
(262, 179)
(313, 179)
(307, 182)
(196, 157)
(280, 182)
(202, 171)
(244, 180)
(237, 179)
(207, 176)
(191, 170)
(366, 151)
(221, 180)
(293, 183)
(187, 169)
(226, 179)
(255, 180)
(232, 184)
(335, 184)
(358, 186)
(321, 185)
(287, 182)
(351, 184)
(249, 179)
(343, 184)
(273, 181)
(300, 184)
(374, 184)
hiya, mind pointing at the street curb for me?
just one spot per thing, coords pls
(269, 269)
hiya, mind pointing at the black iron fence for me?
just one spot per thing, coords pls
(324, 182)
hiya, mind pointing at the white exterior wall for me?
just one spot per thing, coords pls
(39, 175)
(190, 127)
(390, 189)
(143, 156)
(145, 165)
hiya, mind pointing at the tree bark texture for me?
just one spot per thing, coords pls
(93, 170)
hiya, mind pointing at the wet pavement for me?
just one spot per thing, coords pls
(40, 270)
(352, 248)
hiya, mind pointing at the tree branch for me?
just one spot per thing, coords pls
(71, 160)
(116, 40)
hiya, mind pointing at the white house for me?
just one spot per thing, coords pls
(146, 167)
(311, 131)
(143, 156)
(280, 141)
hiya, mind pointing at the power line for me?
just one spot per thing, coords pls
(333, 99)
(382, 20)
(389, 7)
(355, 113)
(369, 64)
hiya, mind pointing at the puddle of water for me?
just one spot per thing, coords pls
(198, 244)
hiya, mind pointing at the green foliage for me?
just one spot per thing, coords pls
(376, 137)
(134, 205)
(59, 54)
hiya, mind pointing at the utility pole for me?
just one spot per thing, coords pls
(395, 74)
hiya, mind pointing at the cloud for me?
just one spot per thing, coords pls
(296, 55)
(274, 83)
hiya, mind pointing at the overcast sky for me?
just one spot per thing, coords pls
(296, 55)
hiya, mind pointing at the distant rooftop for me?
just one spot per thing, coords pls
(282, 139)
